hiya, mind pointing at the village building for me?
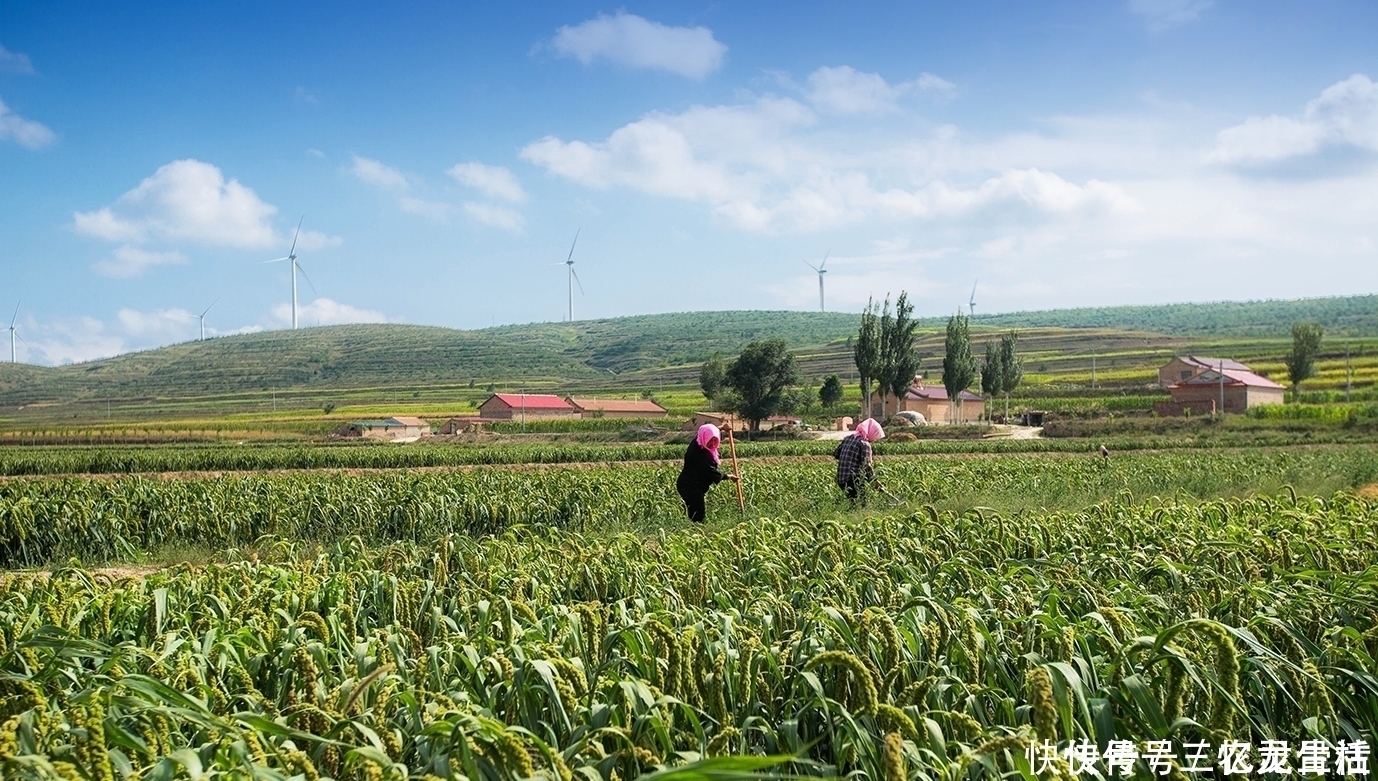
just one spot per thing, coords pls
(460, 424)
(616, 408)
(518, 406)
(931, 401)
(723, 420)
(1201, 394)
(395, 429)
(1184, 367)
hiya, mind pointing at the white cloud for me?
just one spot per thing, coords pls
(1162, 14)
(437, 211)
(756, 167)
(172, 324)
(25, 132)
(1345, 114)
(14, 62)
(324, 311)
(315, 153)
(377, 174)
(494, 216)
(68, 341)
(629, 40)
(491, 180)
(189, 200)
(845, 90)
(130, 261)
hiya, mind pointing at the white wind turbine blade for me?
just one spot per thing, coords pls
(577, 282)
(293, 251)
(810, 265)
(16, 315)
(308, 279)
(825, 260)
(207, 309)
(570, 259)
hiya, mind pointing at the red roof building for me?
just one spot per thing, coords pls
(514, 406)
(1202, 393)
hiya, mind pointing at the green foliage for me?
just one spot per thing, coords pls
(990, 370)
(1306, 345)
(866, 353)
(712, 376)
(899, 363)
(959, 365)
(929, 645)
(759, 376)
(830, 393)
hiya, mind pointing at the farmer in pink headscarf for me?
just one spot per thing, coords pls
(855, 469)
(700, 471)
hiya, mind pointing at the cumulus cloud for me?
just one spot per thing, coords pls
(127, 261)
(190, 201)
(14, 62)
(1162, 14)
(494, 216)
(491, 180)
(634, 42)
(845, 90)
(1345, 114)
(756, 168)
(325, 311)
(25, 132)
(377, 174)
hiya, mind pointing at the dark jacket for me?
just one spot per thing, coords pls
(699, 472)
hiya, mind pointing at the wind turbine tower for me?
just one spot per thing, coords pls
(291, 258)
(573, 277)
(202, 318)
(971, 304)
(821, 271)
(12, 321)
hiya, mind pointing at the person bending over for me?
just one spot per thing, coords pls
(855, 467)
(700, 471)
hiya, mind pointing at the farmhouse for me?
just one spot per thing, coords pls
(720, 419)
(1184, 367)
(396, 429)
(616, 408)
(459, 424)
(931, 402)
(515, 406)
(1200, 394)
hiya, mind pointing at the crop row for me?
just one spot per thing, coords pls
(915, 646)
(53, 519)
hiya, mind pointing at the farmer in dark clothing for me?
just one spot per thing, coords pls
(855, 468)
(700, 471)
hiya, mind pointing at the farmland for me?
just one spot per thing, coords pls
(491, 622)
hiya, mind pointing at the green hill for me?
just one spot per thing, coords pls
(630, 351)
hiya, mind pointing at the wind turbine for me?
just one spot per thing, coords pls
(292, 258)
(202, 318)
(821, 271)
(12, 321)
(971, 304)
(573, 277)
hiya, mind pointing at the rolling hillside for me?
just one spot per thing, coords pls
(641, 350)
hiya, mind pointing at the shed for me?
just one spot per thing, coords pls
(720, 419)
(395, 429)
(616, 408)
(931, 401)
(512, 406)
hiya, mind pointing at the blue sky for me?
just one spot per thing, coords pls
(444, 156)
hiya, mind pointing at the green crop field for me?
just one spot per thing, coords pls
(559, 621)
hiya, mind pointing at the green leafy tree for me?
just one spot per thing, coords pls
(885, 367)
(1301, 362)
(760, 376)
(1011, 366)
(959, 365)
(903, 362)
(990, 371)
(712, 376)
(866, 353)
(831, 391)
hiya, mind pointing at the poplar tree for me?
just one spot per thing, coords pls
(959, 365)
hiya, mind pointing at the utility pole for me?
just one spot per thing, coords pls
(1349, 374)
(1093, 371)
(1221, 372)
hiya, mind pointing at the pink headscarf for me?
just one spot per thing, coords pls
(870, 430)
(708, 439)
